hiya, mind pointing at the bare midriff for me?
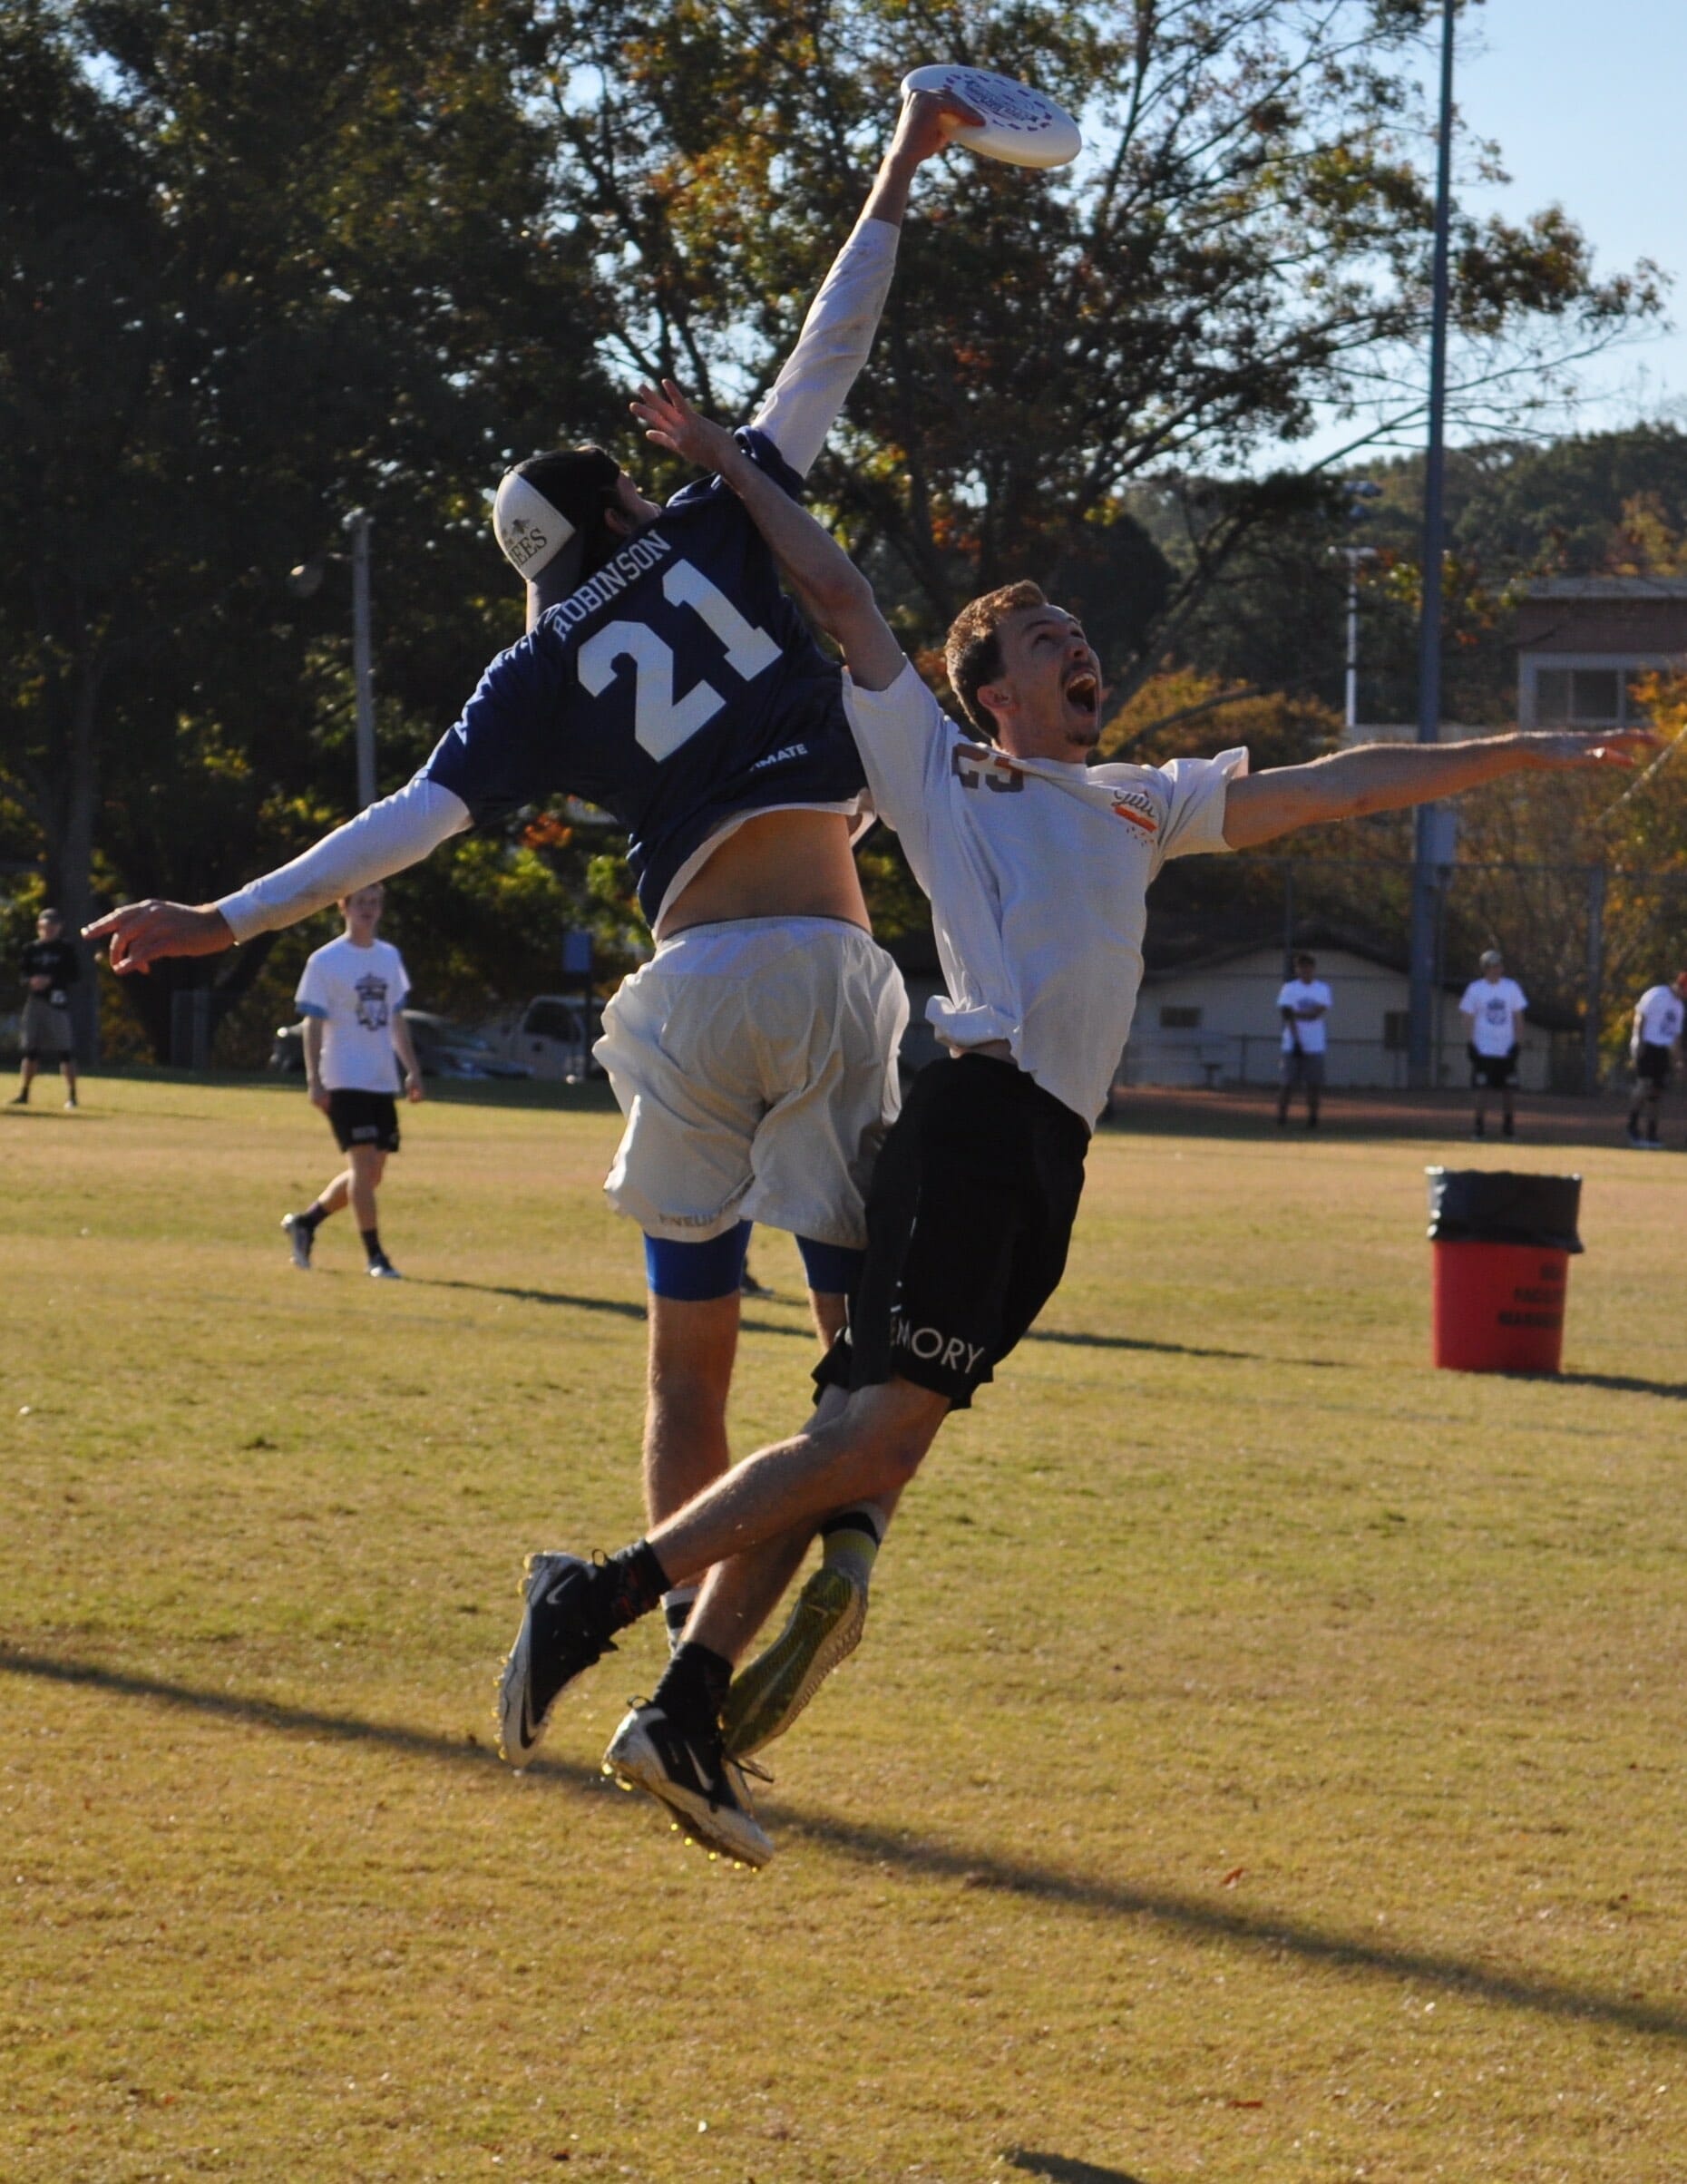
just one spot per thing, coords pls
(779, 864)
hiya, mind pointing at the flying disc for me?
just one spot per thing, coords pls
(1022, 125)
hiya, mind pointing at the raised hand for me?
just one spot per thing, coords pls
(928, 122)
(671, 422)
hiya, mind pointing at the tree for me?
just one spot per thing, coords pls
(262, 262)
(1247, 243)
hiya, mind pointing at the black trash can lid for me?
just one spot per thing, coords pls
(1497, 1205)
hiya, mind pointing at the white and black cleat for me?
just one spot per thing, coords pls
(300, 1236)
(559, 1636)
(701, 1788)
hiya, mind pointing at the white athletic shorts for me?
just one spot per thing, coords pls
(755, 1063)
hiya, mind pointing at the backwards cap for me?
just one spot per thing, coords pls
(543, 502)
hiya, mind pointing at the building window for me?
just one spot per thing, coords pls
(1585, 698)
(1396, 1030)
(1180, 1020)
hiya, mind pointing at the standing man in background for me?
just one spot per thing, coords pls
(51, 968)
(1654, 1042)
(351, 996)
(1492, 1008)
(1303, 1003)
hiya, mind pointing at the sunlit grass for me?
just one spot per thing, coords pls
(1263, 1761)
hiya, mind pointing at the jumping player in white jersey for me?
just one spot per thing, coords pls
(1038, 865)
(666, 676)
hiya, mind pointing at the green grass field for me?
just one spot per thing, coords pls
(1264, 1762)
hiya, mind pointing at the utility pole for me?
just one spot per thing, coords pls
(1420, 1021)
(1360, 491)
(363, 653)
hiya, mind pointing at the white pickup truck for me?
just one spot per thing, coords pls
(553, 1036)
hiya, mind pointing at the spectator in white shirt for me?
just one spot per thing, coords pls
(1492, 1008)
(1303, 1003)
(1654, 1042)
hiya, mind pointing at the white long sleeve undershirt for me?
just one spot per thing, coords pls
(802, 403)
(398, 832)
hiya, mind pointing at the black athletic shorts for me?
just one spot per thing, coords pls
(1496, 1071)
(969, 1216)
(1652, 1065)
(364, 1118)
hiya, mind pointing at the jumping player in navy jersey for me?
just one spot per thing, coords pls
(665, 677)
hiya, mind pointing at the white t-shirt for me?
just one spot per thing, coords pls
(357, 992)
(1306, 997)
(1660, 1013)
(1037, 874)
(1495, 1003)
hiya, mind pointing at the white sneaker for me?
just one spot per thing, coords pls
(702, 1790)
(300, 1236)
(384, 1270)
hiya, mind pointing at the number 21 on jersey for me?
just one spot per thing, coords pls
(661, 722)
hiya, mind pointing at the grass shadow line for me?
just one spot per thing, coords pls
(467, 1751)
(622, 1308)
(1078, 1339)
(877, 1847)
(1060, 2169)
(1620, 1383)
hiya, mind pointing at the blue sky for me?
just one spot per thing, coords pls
(1584, 101)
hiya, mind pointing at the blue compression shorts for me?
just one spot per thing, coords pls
(693, 1273)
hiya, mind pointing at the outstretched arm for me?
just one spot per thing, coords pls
(1387, 776)
(815, 567)
(399, 831)
(802, 403)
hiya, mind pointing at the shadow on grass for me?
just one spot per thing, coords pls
(1175, 1349)
(970, 1870)
(1623, 1384)
(1056, 2169)
(621, 1307)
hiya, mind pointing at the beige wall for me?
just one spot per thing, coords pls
(1240, 1034)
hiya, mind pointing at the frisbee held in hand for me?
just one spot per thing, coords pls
(1020, 124)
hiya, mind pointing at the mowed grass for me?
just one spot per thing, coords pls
(1264, 1761)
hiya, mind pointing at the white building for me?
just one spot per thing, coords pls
(1214, 1021)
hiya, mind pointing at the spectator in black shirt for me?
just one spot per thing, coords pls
(51, 968)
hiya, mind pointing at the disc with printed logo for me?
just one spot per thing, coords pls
(1022, 125)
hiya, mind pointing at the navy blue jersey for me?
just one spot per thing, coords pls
(677, 686)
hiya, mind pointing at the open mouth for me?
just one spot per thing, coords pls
(1084, 693)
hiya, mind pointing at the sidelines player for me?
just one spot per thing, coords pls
(1492, 1008)
(351, 995)
(1037, 865)
(1654, 1042)
(665, 677)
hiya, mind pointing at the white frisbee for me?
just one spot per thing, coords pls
(1021, 125)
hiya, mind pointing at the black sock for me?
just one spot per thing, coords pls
(371, 1244)
(313, 1216)
(855, 1519)
(637, 1581)
(693, 1690)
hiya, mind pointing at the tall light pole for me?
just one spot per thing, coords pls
(1419, 1034)
(1360, 491)
(304, 582)
(363, 653)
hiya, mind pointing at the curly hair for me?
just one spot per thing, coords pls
(973, 649)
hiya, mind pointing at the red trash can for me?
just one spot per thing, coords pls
(1503, 1244)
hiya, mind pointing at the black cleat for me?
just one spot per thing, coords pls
(562, 1632)
(691, 1775)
